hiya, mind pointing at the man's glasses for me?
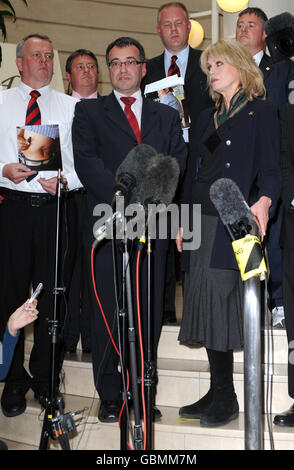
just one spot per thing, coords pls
(117, 64)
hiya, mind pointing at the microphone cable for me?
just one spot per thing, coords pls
(118, 348)
(268, 350)
(141, 344)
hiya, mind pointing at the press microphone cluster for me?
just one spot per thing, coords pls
(131, 172)
(144, 177)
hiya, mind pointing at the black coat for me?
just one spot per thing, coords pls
(287, 167)
(250, 147)
(277, 77)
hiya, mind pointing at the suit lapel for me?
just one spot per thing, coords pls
(115, 113)
(265, 65)
(148, 118)
(191, 66)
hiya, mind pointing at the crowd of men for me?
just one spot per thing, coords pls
(96, 133)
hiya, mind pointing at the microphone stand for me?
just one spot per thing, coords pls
(131, 331)
(51, 427)
(252, 361)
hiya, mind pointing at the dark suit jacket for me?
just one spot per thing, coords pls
(102, 137)
(195, 81)
(250, 155)
(277, 77)
(287, 167)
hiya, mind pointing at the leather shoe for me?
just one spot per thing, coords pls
(109, 411)
(13, 400)
(286, 418)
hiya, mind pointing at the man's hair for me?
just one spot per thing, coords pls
(125, 42)
(175, 5)
(254, 11)
(20, 45)
(77, 53)
(234, 53)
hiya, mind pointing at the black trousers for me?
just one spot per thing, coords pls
(27, 257)
(78, 320)
(105, 358)
(288, 294)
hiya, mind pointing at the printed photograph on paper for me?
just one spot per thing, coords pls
(39, 147)
(170, 91)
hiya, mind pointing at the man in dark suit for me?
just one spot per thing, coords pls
(82, 74)
(287, 233)
(173, 27)
(102, 138)
(277, 76)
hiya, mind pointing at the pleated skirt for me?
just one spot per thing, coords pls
(213, 299)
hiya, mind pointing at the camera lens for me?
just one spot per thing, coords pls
(285, 44)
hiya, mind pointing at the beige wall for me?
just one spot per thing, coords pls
(93, 24)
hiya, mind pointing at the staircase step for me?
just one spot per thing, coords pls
(170, 433)
(180, 382)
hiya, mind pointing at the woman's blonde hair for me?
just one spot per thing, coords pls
(235, 54)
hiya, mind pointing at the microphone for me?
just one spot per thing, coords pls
(161, 180)
(131, 172)
(238, 219)
(158, 188)
(233, 210)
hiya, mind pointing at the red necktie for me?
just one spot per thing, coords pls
(128, 101)
(173, 68)
(33, 116)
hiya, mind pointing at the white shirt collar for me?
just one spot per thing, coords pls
(25, 89)
(137, 95)
(257, 57)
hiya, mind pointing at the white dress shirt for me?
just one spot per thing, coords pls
(136, 106)
(56, 108)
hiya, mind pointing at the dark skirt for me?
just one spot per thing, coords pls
(213, 299)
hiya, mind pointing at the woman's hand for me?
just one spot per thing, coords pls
(179, 239)
(260, 210)
(24, 315)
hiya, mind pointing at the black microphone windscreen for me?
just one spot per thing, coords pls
(229, 201)
(278, 23)
(161, 180)
(135, 165)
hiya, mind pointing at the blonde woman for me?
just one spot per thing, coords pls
(238, 139)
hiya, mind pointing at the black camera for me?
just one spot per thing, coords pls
(280, 36)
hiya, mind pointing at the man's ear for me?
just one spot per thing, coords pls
(189, 26)
(18, 62)
(144, 69)
(68, 77)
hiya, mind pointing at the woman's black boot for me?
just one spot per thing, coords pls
(195, 410)
(224, 406)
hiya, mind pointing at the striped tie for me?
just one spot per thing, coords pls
(33, 116)
(173, 68)
(128, 101)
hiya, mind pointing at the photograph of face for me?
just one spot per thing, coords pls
(39, 147)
